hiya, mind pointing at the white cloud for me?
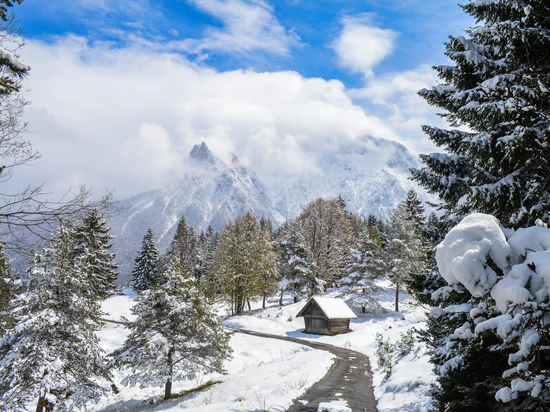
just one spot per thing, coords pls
(249, 25)
(394, 99)
(361, 46)
(126, 118)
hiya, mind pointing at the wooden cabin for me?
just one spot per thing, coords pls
(324, 316)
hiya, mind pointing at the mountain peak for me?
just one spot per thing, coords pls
(202, 152)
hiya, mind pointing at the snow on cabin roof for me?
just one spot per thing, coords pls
(332, 308)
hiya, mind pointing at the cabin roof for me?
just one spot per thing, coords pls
(332, 308)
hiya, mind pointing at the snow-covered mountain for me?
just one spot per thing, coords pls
(370, 175)
(211, 192)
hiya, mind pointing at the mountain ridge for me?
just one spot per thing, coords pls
(370, 175)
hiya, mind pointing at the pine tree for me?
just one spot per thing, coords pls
(145, 273)
(11, 67)
(421, 285)
(53, 354)
(498, 87)
(7, 294)
(184, 246)
(206, 251)
(366, 266)
(93, 242)
(405, 252)
(296, 275)
(176, 335)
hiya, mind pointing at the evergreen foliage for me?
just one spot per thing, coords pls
(296, 275)
(405, 251)
(145, 272)
(93, 242)
(366, 265)
(53, 354)
(12, 69)
(184, 246)
(175, 336)
(497, 86)
(206, 251)
(7, 294)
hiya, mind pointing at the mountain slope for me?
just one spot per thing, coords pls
(211, 192)
(371, 175)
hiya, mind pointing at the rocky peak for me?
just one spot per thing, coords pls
(202, 153)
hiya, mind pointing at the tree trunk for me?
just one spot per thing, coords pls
(397, 297)
(40, 405)
(263, 302)
(168, 389)
(281, 298)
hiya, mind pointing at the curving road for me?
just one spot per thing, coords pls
(350, 379)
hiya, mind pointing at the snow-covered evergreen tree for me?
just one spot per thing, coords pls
(493, 333)
(421, 285)
(53, 353)
(176, 335)
(145, 273)
(405, 253)
(498, 87)
(7, 294)
(365, 267)
(184, 246)
(93, 242)
(206, 251)
(296, 276)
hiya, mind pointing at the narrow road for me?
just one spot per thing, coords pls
(350, 379)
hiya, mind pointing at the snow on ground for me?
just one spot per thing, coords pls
(262, 375)
(267, 374)
(407, 387)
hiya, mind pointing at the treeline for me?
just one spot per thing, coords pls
(325, 246)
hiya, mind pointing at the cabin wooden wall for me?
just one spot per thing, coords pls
(338, 326)
(323, 326)
(316, 324)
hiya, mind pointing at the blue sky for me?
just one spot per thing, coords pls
(148, 79)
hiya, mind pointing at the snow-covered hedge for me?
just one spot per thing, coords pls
(507, 273)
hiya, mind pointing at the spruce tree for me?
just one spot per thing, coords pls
(7, 294)
(206, 251)
(93, 242)
(176, 335)
(405, 252)
(145, 272)
(184, 246)
(296, 275)
(365, 267)
(497, 86)
(53, 354)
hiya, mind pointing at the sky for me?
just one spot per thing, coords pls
(121, 90)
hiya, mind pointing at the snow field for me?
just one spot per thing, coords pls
(267, 374)
(408, 386)
(263, 374)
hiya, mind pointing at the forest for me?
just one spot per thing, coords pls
(478, 262)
